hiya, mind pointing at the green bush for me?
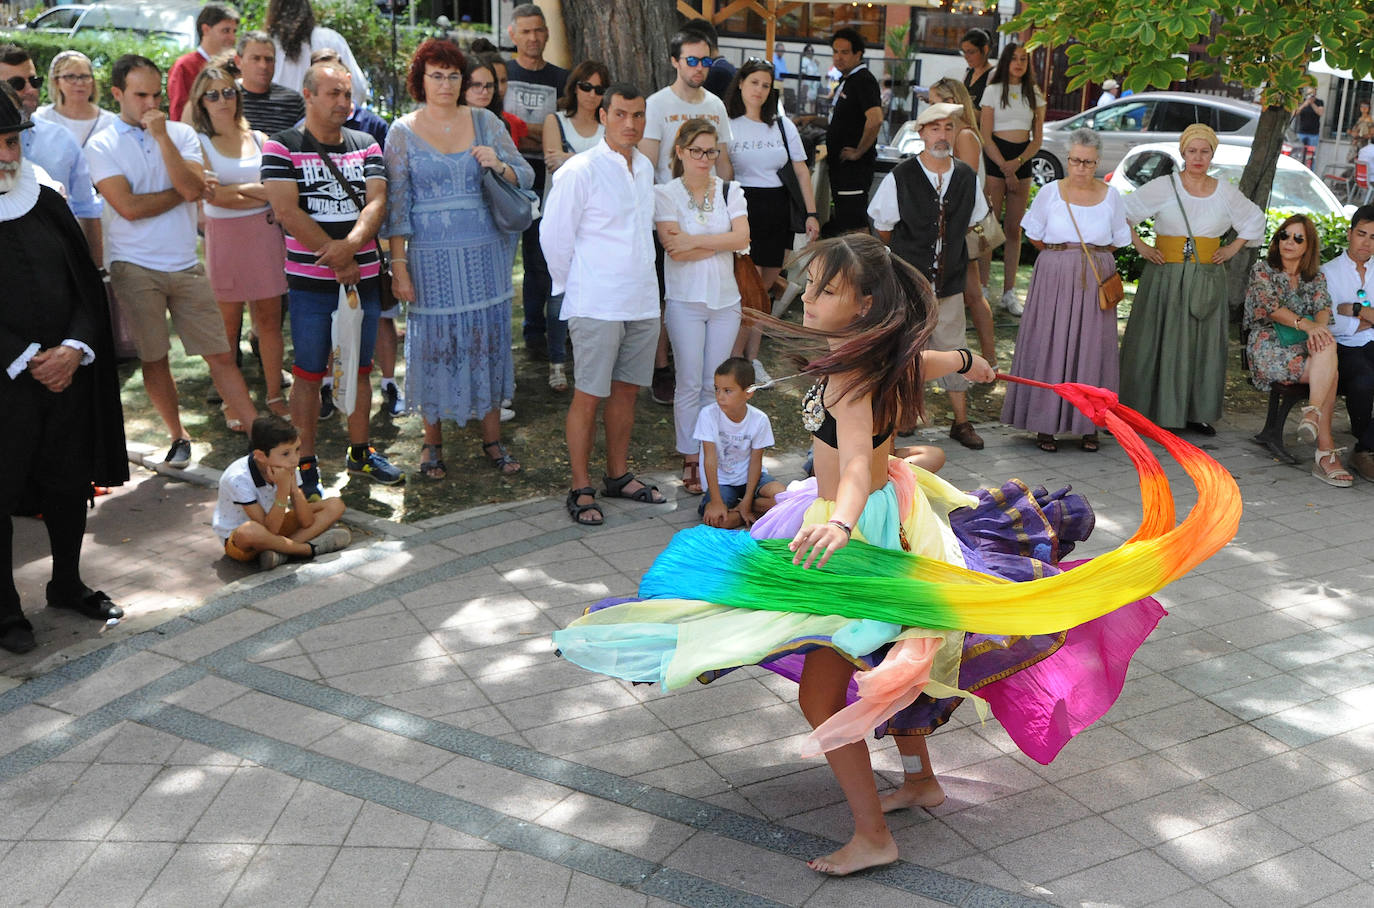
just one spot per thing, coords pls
(103, 47)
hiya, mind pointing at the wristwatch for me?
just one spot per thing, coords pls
(1355, 308)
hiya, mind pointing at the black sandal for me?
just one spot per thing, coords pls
(1046, 443)
(504, 461)
(1090, 443)
(433, 468)
(645, 494)
(575, 510)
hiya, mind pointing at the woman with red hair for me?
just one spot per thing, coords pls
(449, 260)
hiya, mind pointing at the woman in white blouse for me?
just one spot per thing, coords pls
(72, 86)
(1065, 336)
(1173, 356)
(701, 223)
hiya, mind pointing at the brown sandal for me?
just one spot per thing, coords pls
(691, 476)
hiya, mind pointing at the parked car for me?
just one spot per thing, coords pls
(173, 21)
(1152, 116)
(1296, 188)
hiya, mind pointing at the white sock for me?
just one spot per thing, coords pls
(327, 381)
(912, 765)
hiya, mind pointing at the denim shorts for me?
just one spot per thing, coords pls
(311, 314)
(731, 495)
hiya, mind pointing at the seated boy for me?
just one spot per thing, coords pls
(733, 435)
(262, 512)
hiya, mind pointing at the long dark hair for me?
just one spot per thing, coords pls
(881, 350)
(734, 101)
(1003, 75)
(487, 63)
(582, 72)
(1311, 260)
(290, 22)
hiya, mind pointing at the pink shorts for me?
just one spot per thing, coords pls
(245, 258)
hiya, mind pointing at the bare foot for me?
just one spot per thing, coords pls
(925, 792)
(858, 854)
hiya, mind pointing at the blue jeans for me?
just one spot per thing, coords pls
(731, 495)
(311, 314)
(1309, 138)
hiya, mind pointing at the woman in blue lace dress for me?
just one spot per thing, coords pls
(450, 263)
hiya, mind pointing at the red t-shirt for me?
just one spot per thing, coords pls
(179, 80)
(518, 128)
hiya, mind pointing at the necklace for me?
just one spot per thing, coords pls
(708, 200)
(813, 407)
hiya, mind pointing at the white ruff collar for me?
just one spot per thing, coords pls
(20, 200)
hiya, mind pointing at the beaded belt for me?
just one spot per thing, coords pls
(1060, 247)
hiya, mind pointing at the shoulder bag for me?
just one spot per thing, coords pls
(788, 174)
(1109, 291)
(511, 207)
(752, 294)
(383, 285)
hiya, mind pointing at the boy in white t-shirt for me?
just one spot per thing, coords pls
(733, 436)
(263, 514)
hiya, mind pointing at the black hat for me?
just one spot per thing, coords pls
(12, 117)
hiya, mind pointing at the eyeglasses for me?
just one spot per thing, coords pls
(227, 94)
(1296, 237)
(700, 61)
(587, 86)
(450, 78)
(481, 86)
(76, 77)
(1081, 162)
(697, 154)
(18, 82)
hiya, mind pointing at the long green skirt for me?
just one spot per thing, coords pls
(1173, 357)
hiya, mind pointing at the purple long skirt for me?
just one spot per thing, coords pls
(1065, 337)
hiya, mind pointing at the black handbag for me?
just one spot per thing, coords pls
(788, 174)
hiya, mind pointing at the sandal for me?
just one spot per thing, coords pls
(1046, 443)
(691, 476)
(233, 424)
(1090, 443)
(274, 402)
(1307, 429)
(1336, 475)
(645, 494)
(433, 467)
(503, 462)
(558, 379)
(575, 510)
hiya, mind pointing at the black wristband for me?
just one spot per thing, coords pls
(811, 214)
(967, 356)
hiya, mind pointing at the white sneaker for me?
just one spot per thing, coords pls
(331, 540)
(761, 376)
(506, 402)
(507, 414)
(1012, 303)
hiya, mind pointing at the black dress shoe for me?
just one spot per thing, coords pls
(17, 637)
(1202, 428)
(91, 603)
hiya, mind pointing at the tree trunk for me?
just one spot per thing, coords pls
(629, 36)
(1255, 183)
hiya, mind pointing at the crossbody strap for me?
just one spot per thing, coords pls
(347, 187)
(1187, 226)
(1086, 254)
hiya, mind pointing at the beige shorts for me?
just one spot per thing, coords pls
(610, 351)
(950, 334)
(146, 296)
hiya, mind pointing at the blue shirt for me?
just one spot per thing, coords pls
(52, 147)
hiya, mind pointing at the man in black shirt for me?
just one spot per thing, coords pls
(850, 142)
(268, 107)
(1309, 117)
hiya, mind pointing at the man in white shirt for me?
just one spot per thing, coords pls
(1350, 281)
(923, 210)
(151, 173)
(597, 240)
(1366, 157)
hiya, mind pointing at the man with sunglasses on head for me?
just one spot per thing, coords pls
(1350, 279)
(51, 146)
(533, 87)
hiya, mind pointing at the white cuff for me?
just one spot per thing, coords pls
(87, 354)
(22, 363)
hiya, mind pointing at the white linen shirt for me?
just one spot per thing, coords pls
(1103, 224)
(597, 236)
(164, 242)
(1343, 281)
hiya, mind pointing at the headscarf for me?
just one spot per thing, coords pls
(1197, 131)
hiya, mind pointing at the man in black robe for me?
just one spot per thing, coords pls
(59, 394)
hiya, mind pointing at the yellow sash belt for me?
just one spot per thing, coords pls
(1171, 247)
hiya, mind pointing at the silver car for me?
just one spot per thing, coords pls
(1152, 116)
(170, 21)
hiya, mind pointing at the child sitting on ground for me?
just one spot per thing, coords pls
(733, 435)
(262, 512)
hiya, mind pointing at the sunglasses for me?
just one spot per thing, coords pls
(699, 61)
(597, 89)
(697, 154)
(1296, 237)
(18, 82)
(215, 94)
(758, 63)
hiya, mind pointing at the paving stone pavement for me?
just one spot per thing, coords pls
(389, 725)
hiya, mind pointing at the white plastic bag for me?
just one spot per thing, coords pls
(347, 335)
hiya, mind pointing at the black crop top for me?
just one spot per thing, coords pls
(817, 419)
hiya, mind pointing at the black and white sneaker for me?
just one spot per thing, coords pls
(393, 404)
(327, 408)
(179, 455)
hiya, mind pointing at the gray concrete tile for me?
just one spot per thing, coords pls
(1174, 813)
(1125, 782)
(206, 694)
(116, 873)
(436, 699)
(1092, 749)
(300, 666)
(364, 877)
(514, 876)
(1357, 896)
(398, 623)
(378, 826)
(711, 701)
(1185, 721)
(630, 756)
(1305, 649)
(529, 675)
(33, 794)
(449, 878)
(1295, 878)
(89, 750)
(216, 635)
(992, 823)
(1258, 630)
(1265, 696)
(246, 807)
(92, 805)
(1274, 779)
(401, 650)
(621, 828)
(586, 891)
(28, 723)
(1166, 648)
(1223, 750)
(442, 838)
(277, 718)
(595, 698)
(315, 815)
(1227, 847)
(491, 786)
(1313, 721)
(559, 738)
(134, 743)
(474, 608)
(198, 875)
(171, 804)
(745, 867)
(110, 682)
(1221, 673)
(1346, 753)
(34, 871)
(281, 875)
(191, 753)
(394, 679)
(734, 732)
(694, 778)
(1342, 673)
(477, 635)
(383, 751)
(307, 597)
(1196, 897)
(1139, 878)
(1066, 849)
(1323, 812)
